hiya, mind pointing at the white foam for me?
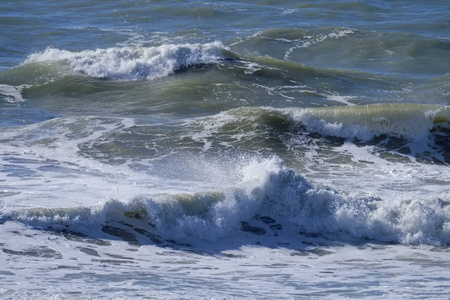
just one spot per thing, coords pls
(133, 63)
(308, 41)
(269, 265)
(13, 94)
(212, 125)
(332, 126)
(341, 99)
(265, 187)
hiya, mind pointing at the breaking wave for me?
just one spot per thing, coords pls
(268, 200)
(366, 121)
(132, 63)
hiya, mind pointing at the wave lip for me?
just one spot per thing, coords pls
(133, 63)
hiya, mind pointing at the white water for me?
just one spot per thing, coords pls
(321, 237)
(11, 94)
(210, 210)
(133, 63)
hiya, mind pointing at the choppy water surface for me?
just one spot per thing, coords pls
(182, 149)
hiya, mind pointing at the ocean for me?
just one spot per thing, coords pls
(224, 150)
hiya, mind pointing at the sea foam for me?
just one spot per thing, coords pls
(133, 63)
(11, 94)
(265, 188)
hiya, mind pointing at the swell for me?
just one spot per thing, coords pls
(351, 49)
(269, 200)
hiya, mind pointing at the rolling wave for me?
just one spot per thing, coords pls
(351, 49)
(362, 123)
(269, 200)
(367, 121)
(132, 63)
(264, 77)
(415, 130)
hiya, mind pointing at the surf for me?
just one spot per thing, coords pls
(268, 200)
(132, 63)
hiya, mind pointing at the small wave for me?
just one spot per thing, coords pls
(367, 121)
(269, 199)
(344, 48)
(133, 63)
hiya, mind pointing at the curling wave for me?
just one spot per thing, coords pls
(132, 63)
(270, 199)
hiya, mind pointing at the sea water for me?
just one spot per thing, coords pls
(224, 150)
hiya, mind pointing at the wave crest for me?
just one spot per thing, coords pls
(133, 63)
(269, 200)
(366, 121)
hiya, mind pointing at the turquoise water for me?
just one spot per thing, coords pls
(190, 149)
